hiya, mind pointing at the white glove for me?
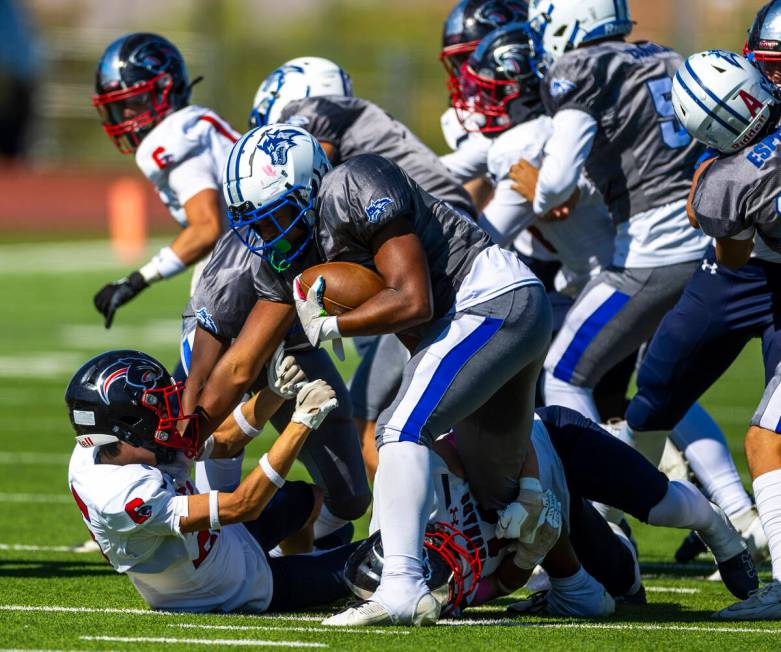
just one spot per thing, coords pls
(317, 325)
(285, 377)
(206, 450)
(531, 549)
(521, 519)
(313, 404)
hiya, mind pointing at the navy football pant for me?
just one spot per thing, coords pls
(718, 313)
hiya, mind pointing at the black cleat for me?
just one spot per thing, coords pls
(690, 548)
(638, 597)
(739, 575)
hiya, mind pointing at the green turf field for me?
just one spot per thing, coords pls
(51, 598)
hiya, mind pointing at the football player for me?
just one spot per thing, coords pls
(223, 299)
(726, 103)
(612, 117)
(578, 461)
(184, 551)
(143, 98)
(481, 319)
(682, 362)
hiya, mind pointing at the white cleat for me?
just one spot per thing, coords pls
(762, 604)
(372, 612)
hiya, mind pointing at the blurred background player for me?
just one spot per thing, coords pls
(727, 104)
(142, 95)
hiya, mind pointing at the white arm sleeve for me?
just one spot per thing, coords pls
(565, 155)
(506, 215)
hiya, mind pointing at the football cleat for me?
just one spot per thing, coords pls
(372, 612)
(732, 556)
(761, 604)
(535, 605)
(690, 548)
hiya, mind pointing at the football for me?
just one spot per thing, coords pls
(347, 285)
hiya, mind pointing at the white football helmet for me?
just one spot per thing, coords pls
(294, 80)
(267, 169)
(564, 25)
(721, 99)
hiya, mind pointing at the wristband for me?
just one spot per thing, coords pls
(164, 265)
(531, 484)
(245, 426)
(214, 510)
(277, 480)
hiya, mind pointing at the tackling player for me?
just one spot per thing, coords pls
(183, 551)
(481, 318)
(142, 96)
(726, 103)
(612, 118)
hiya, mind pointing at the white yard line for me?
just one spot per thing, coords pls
(35, 498)
(148, 612)
(25, 547)
(40, 459)
(507, 622)
(287, 628)
(230, 642)
(670, 589)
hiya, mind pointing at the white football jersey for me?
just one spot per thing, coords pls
(583, 243)
(186, 154)
(133, 513)
(468, 160)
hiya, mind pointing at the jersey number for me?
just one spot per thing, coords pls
(673, 134)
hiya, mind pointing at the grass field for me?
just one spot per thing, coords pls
(52, 598)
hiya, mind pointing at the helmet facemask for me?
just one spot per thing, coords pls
(128, 114)
(265, 233)
(166, 403)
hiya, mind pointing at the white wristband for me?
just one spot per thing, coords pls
(245, 426)
(164, 265)
(214, 510)
(277, 480)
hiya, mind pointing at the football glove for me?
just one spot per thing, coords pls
(116, 294)
(317, 325)
(285, 377)
(314, 402)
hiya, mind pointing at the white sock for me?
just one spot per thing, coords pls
(579, 595)
(767, 493)
(219, 475)
(703, 444)
(649, 443)
(580, 399)
(683, 506)
(326, 523)
(404, 507)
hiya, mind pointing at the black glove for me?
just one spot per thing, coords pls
(117, 294)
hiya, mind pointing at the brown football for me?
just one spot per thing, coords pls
(347, 285)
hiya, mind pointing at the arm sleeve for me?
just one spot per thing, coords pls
(565, 156)
(147, 502)
(507, 214)
(193, 175)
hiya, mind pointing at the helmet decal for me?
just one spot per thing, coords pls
(137, 372)
(277, 144)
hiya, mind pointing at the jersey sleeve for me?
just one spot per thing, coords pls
(325, 120)
(364, 196)
(146, 501)
(194, 175)
(720, 201)
(574, 82)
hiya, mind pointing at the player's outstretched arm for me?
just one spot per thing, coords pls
(314, 402)
(407, 300)
(204, 227)
(241, 364)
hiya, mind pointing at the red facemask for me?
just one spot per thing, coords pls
(487, 97)
(166, 403)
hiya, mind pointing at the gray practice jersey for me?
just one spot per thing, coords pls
(229, 287)
(739, 194)
(362, 196)
(355, 126)
(641, 157)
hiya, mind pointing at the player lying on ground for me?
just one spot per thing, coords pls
(142, 96)
(593, 563)
(443, 277)
(725, 102)
(130, 476)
